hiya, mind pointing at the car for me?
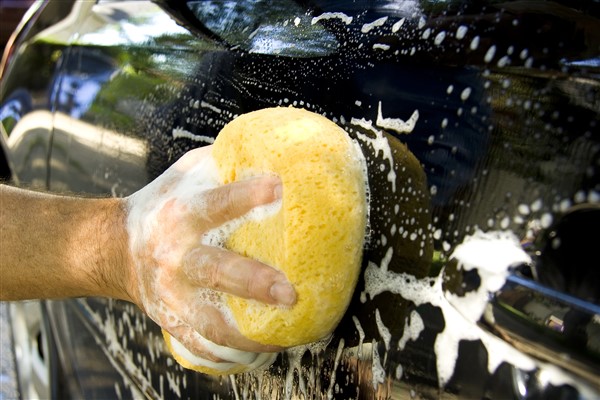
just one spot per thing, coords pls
(12, 11)
(479, 121)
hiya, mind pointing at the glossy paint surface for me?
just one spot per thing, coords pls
(479, 121)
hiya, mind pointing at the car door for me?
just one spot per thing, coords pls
(479, 122)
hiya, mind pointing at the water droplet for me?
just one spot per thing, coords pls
(464, 95)
(523, 209)
(439, 38)
(489, 55)
(536, 205)
(546, 220)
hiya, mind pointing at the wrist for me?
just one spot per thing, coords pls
(115, 272)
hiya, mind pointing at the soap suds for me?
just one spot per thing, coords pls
(218, 236)
(332, 15)
(180, 133)
(372, 25)
(381, 46)
(491, 258)
(119, 356)
(491, 254)
(377, 369)
(336, 363)
(209, 106)
(379, 144)
(396, 124)
(398, 24)
(413, 326)
(384, 332)
(361, 334)
(145, 207)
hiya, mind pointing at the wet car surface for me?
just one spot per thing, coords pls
(479, 121)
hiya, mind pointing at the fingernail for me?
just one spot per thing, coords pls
(283, 293)
(278, 191)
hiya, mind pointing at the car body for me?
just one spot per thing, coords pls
(11, 12)
(479, 121)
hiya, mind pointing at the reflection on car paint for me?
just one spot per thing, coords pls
(430, 289)
(504, 142)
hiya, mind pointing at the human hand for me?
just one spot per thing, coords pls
(176, 279)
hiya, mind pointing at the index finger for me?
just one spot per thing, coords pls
(231, 201)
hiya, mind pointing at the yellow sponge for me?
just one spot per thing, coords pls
(316, 238)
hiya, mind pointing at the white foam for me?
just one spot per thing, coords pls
(294, 356)
(359, 158)
(332, 15)
(372, 25)
(211, 107)
(218, 236)
(396, 27)
(397, 124)
(361, 335)
(233, 357)
(381, 46)
(491, 254)
(384, 332)
(180, 133)
(336, 362)
(145, 205)
(379, 144)
(377, 370)
(413, 326)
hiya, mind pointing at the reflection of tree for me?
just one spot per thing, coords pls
(140, 72)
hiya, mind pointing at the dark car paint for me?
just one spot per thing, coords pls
(11, 13)
(504, 138)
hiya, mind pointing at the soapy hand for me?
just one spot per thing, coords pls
(177, 279)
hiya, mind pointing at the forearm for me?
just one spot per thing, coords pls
(54, 246)
(147, 249)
